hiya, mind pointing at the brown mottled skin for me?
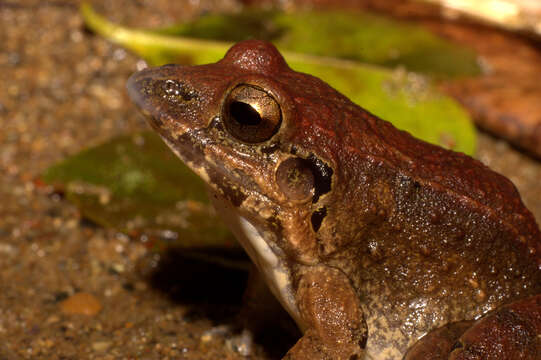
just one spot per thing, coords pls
(383, 237)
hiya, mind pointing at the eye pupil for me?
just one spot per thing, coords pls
(244, 113)
(250, 114)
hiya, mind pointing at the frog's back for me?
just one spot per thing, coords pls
(472, 245)
(461, 177)
(438, 236)
(348, 132)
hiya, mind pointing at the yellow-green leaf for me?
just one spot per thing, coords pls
(137, 185)
(408, 100)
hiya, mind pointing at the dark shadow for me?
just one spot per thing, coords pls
(196, 277)
(212, 282)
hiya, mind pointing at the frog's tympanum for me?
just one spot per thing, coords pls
(369, 238)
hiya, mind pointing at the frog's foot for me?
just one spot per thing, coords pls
(510, 332)
(331, 310)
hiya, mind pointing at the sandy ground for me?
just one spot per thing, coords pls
(62, 90)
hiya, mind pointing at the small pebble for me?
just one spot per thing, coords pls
(52, 320)
(101, 345)
(81, 303)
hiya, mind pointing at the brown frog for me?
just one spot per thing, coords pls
(368, 237)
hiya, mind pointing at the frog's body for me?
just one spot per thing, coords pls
(369, 237)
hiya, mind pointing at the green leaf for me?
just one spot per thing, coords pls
(362, 37)
(357, 36)
(154, 48)
(137, 185)
(408, 100)
(376, 40)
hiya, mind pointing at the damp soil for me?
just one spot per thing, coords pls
(62, 90)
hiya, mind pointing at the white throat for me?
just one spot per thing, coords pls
(270, 265)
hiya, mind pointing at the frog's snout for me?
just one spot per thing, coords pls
(154, 92)
(138, 88)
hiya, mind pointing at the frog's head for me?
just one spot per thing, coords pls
(247, 127)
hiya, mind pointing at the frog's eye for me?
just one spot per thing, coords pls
(295, 178)
(251, 114)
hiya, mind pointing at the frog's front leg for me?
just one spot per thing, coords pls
(332, 315)
(510, 332)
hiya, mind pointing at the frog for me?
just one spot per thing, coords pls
(378, 245)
